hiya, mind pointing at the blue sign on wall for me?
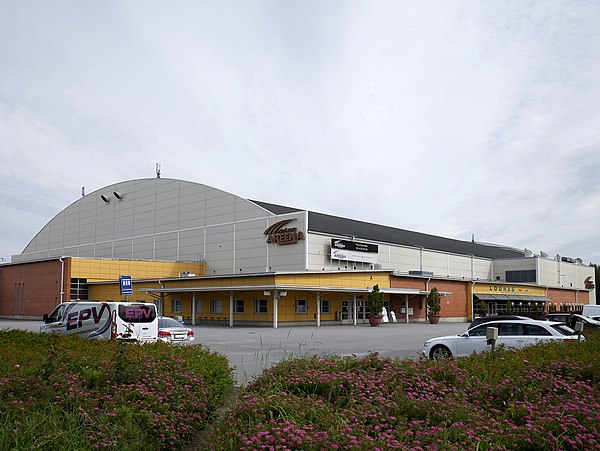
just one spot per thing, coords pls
(126, 286)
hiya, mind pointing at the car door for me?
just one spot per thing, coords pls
(473, 341)
(536, 334)
(512, 335)
(55, 323)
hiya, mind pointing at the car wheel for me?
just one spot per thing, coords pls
(440, 352)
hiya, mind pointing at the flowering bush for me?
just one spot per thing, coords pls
(70, 393)
(543, 397)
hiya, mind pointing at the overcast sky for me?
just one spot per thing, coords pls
(446, 117)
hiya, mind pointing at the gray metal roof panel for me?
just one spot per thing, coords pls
(335, 225)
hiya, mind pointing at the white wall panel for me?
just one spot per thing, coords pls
(104, 250)
(86, 251)
(122, 249)
(143, 248)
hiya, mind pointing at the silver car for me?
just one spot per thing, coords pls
(171, 330)
(511, 333)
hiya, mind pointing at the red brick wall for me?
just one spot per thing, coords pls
(453, 305)
(29, 290)
(568, 297)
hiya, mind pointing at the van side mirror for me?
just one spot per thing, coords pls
(45, 317)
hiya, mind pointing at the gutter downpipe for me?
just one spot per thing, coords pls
(62, 279)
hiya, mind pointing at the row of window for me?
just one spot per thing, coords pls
(260, 306)
(526, 275)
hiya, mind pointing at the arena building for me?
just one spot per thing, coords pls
(212, 257)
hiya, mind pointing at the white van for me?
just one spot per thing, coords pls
(104, 320)
(591, 310)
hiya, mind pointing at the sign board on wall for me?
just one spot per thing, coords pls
(126, 286)
(354, 251)
(485, 288)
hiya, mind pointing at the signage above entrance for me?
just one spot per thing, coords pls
(280, 235)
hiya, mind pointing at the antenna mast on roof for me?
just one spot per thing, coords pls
(157, 170)
(83, 191)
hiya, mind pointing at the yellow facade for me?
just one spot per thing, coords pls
(97, 270)
(215, 305)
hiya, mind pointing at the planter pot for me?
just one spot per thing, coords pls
(375, 320)
(434, 318)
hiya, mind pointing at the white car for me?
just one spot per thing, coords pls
(512, 334)
(171, 330)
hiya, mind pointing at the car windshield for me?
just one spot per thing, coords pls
(563, 329)
(168, 322)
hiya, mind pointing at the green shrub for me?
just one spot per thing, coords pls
(544, 397)
(70, 393)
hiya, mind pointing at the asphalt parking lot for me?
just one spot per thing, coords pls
(250, 350)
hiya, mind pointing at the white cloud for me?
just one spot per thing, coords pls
(451, 118)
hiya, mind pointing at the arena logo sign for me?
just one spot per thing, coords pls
(278, 233)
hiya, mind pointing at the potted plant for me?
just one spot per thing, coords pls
(483, 308)
(375, 306)
(434, 305)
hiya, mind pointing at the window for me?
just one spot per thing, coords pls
(260, 306)
(301, 306)
(512, 329)
(325, 306)
(57, 314)
(216, 306)
(479, 331)
(537, 330)
(521, 276)
(239, 306)
(79, 290)
(175, 305)
(138, 314)
(198, 305)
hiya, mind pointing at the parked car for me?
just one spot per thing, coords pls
(511, 333)
(570, 320)
(487, 319)
(591, 310)
(561, 317)
(588, 323)
(171, 330)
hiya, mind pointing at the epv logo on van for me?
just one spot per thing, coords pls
(80, 317)
(107, 320)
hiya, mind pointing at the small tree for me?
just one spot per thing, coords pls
(375, 301)
(483, 308)
(433, 302)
